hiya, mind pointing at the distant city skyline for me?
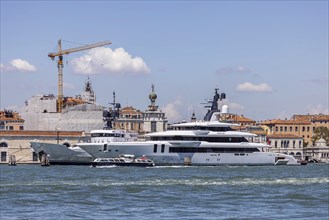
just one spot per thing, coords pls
(270, 58)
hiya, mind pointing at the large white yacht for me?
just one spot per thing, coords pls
(207, 142)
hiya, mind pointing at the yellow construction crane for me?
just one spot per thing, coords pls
(60, 54)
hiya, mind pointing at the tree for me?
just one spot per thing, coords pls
(321, 132)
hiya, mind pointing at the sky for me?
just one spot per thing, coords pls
(269, 57)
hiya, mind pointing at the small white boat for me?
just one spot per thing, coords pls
(123, 160)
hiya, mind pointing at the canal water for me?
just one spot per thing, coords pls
(224, 192)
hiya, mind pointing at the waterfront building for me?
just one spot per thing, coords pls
(287, 144)
(319, 152)
(129, 119)
(17, 143)
(299, 125)
(10, 120)
(153, 118)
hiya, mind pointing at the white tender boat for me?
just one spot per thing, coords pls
(123, 160)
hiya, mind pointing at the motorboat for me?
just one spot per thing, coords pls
(123, 160)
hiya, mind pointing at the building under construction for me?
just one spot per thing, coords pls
(80, 113)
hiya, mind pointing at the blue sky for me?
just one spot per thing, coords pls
(270, 58)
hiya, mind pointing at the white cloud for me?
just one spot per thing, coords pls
(106, 60)
(172, 112)
(249, 87)
(318, 109)
(235, 108)
(231, 70)
(18, 65)
(68, 85)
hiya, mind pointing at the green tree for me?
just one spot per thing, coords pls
(321, 132)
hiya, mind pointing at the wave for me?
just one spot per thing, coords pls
(170, 182)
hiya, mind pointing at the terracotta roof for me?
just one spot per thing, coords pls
(10, 115)
(310, 118)
(73, 101)
(128, 110)
(236, 118)
(284, 122)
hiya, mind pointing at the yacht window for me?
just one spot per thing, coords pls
(155, 149)
(105, 147)
(205, 138)
(162, 148)
(211, 149)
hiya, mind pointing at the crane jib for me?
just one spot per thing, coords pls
(60, 54)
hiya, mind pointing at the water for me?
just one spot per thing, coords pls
(238, 192)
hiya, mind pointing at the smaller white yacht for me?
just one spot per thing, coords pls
(59, 154)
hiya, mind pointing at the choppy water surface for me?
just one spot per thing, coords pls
(82, 192)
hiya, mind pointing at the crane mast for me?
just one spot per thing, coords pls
(60, 54)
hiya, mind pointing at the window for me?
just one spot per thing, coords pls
(212, 149)
(296, 128)
(308, 129)
(155, 149)
(285, 128)
(290, 129)
(153, 126)
(293, 144)
(2, 125)
(34, 156)
(162, 148)
(3, 144)
(303, 129)
(276, 144)
(281, 128)
(105, 147)
(276, 128)
(3, 156)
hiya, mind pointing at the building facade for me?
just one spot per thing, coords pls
(319, 152)
(129, 119)
(299, 125)
(17, 143)
(10, 120)
(286, 144)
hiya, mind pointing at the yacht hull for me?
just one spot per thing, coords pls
(62, 155)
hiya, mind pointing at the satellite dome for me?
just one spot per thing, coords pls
(225, 109)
